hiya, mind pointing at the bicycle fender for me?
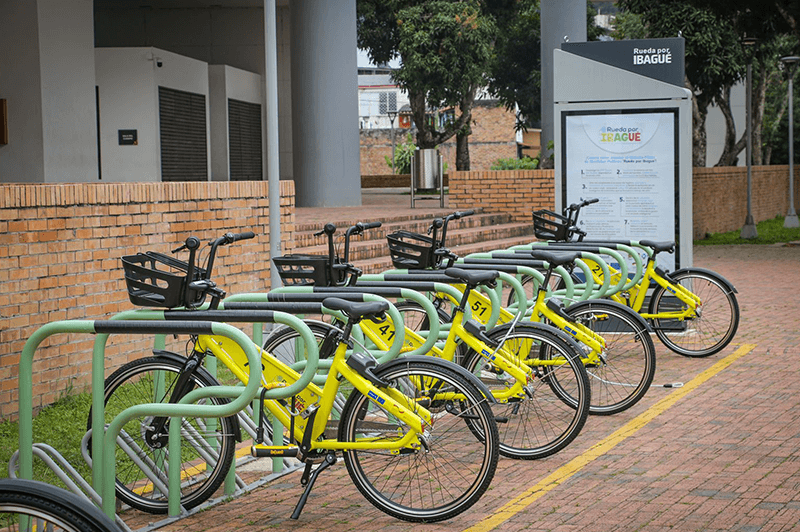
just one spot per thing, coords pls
(715, 275)
(444, 363)
(180, 359)
(619, 306)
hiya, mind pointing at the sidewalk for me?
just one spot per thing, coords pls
(725, 456)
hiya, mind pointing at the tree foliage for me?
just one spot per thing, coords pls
(445, 48)
(714, 60)
(516, 70)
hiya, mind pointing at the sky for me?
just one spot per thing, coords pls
(363, 60)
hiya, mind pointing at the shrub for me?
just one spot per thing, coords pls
(402, 156)
(526, 163)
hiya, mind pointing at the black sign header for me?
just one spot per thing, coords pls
(661, 59)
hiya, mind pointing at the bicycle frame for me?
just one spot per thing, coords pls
(638, 292)
(380, 334)
(539, 312)
(275, 374)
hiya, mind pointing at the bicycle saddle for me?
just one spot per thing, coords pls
(556, 259)
(473, 278)
(658, 247)
(356, 310)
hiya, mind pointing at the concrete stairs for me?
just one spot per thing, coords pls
(370, 252)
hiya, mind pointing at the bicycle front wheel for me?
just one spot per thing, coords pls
(207, 445)
(48, 508)
(460, 447)
(623, 372)
(712, 325)
(541, 423)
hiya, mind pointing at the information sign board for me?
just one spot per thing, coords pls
(628, 158)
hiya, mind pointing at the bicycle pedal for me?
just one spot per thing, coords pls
(266, 451)
(500, 419)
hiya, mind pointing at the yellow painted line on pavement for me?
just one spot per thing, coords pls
(563, 473)
(189, 472)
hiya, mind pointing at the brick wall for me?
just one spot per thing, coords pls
(59, 260)
(492, 138)
(517, 192)
(719, 196)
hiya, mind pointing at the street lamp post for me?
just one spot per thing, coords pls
(791, 216)
(392, 115)
(749, 230)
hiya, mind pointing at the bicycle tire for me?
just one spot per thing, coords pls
(281, 342)
(50, 508)
(543, 423)
(463, 454)
(132, 384)
(708, 333)
(628, 360)
(415, 317)
(556, 283)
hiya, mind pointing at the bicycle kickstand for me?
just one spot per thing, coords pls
(308, 481)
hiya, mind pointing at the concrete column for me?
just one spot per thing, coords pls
(325, 139)
(272, 136)
(560, 18)
(218, 123)
(47, 77)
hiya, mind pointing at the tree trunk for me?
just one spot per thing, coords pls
(699, 140)
(774, 129)
(416, 101)
(462, 150)
(731, 148)
(759, 103)
(462, 136)
(427, 134)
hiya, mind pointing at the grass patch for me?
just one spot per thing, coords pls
(61, 425)
(769, 232)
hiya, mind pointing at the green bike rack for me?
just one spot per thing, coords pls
(416, 280)
(103, 470)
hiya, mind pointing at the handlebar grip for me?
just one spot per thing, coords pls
(461, 214)
(242, 236)
(590, 201)
(370, 225)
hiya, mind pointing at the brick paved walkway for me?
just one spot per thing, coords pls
(724, 457)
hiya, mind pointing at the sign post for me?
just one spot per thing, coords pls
(623, 130)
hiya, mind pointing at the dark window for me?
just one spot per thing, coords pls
(184, 148)
(244, 137)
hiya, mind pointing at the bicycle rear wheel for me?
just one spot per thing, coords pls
(627, 365)
(542, 423)
(48, 508)
(714, 323)
(207, 445)
(460, 452)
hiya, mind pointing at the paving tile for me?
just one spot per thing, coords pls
(725, 457)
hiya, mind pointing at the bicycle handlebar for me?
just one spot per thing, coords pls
(329, 229)
(205, 284)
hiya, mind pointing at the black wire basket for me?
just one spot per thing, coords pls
(306, 270)
(411, 251)
(156, 280)
(548, 225)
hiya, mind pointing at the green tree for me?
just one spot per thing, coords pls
(445, 48)
(714, 55)
(628, 25)
(516, 70)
